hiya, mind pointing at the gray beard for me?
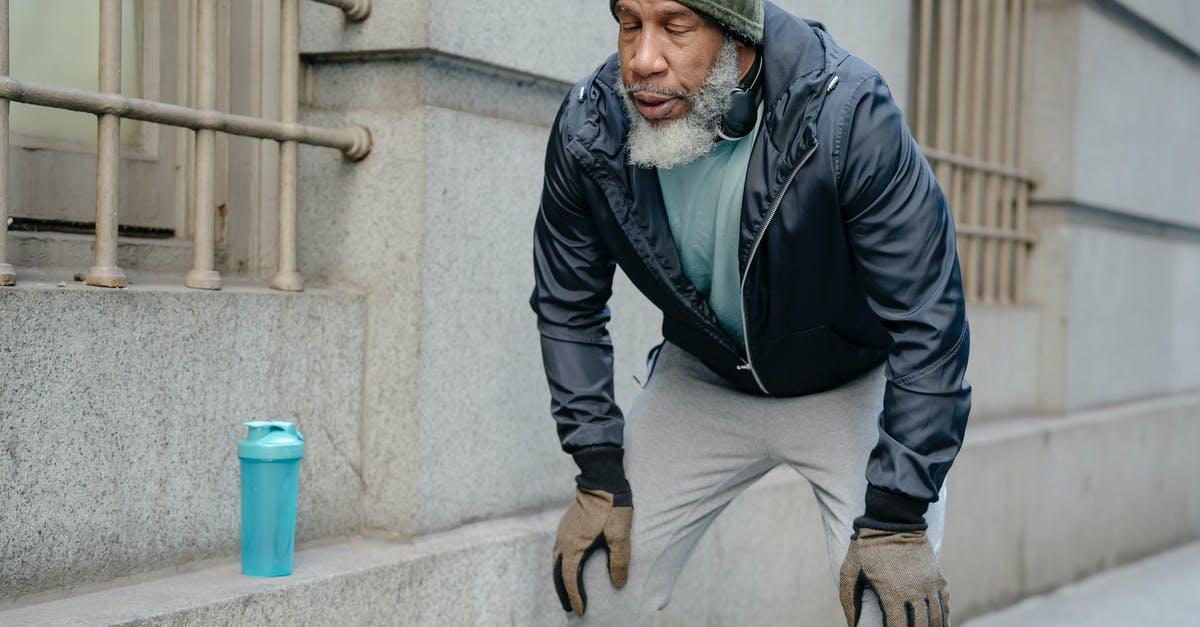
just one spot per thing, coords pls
(684, 140)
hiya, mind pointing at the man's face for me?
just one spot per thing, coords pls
(668, 50)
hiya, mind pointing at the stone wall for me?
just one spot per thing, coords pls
(1114, 143)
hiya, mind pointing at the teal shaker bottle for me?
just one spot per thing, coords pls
(270, 457)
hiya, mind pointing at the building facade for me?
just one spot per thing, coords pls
(433, 478)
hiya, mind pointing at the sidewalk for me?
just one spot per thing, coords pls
(1159, 590)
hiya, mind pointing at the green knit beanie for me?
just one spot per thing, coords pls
(742, 18)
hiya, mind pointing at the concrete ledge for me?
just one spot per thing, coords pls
(477, 575)
(76, 253)
(122, 410)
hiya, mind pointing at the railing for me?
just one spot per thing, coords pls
(110, 106)
(972, 77)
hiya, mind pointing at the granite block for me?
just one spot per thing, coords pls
(392, 25)
(1091, 72)
(1003, 369)
(123, 410)
(360, 226)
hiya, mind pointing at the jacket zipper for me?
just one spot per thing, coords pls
(703, 323)
(749, 365)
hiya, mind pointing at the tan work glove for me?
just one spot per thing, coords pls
(901, 568)
(592, 522)
(600, 517)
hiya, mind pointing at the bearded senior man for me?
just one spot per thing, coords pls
(759, 185)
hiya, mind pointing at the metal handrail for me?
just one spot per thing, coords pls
(110, 107)
(354, 141)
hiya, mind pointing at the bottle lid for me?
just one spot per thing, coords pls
(271, 440)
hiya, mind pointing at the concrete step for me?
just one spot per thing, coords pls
(480, 574)
(122, 410)
(74, 252)
(1023, 503)
(1159, 590)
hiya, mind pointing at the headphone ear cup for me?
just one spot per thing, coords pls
(741, 117)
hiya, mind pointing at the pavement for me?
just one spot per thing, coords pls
(1159, 590)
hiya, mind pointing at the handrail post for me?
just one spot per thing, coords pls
(286, 277)
(105, 272)
(8, 276)
(202, 275)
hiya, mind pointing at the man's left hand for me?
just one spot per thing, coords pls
(901, 568)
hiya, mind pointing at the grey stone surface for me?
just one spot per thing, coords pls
(1122, 315)
(434, 79)
(494, 573)
(1179, 18)
(1117, 309)
(559, 39)
(1003, 369)
(1049, 275)
(1049, 139)
(488, 444)
(1152, 171)
(1038, 503)
(360, 225)
(1159, 590)
(392, 25)
(122, 413)
(1184, 354)
(480, 90)
(71, 253)
(1092, 78)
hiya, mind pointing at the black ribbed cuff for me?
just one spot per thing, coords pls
(888, 511)
(603, 468)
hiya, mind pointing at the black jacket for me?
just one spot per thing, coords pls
(847, 254)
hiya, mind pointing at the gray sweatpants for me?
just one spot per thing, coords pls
(693, 443)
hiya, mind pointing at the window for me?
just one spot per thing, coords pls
(969, 108)
(52, 180)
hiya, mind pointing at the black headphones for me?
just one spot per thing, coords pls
(743, 111)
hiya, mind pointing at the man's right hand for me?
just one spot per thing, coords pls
(600, 517)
